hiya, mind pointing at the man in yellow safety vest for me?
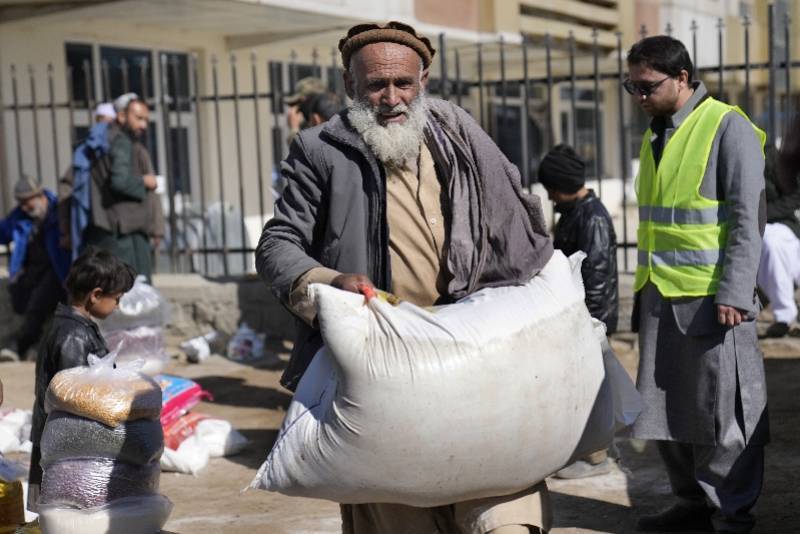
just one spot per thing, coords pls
(700, 190)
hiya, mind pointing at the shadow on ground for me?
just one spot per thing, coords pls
(234, 391)
(612, 503)
(256, 452)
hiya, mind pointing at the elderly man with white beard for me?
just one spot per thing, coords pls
(408, 194)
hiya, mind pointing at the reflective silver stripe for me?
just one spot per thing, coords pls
(661, 214)
(680, 258)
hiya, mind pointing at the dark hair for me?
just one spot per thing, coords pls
(562, 169)
(661, 53)
(326, 105)
(98, 268)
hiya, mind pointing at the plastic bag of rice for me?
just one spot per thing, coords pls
(104, 391)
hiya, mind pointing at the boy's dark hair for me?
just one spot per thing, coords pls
(98, 268)
(562, 169)
(661, 53)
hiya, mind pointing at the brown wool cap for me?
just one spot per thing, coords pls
(361, 35)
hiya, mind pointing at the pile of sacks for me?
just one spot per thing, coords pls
(101, 448)
(136, 328)
(192, 438)
(484, 397)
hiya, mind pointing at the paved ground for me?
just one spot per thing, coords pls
(251, 398)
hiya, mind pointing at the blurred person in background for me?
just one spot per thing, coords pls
(779, 270)
(321, 108)
(104, 112)
(38, 264)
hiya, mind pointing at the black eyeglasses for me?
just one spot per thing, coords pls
(642, 88)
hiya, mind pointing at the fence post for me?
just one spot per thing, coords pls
(239, 164)
(444, 90)
(572, 100)
(126, 84)
(53, 121)
(35, 116)
(503, 88)
(276, 92)
(257, 117)
(694, 27)
(220, 171)
(772, 129)
(106, 81)
(480, 86)
(787, 112)
(548, 50)
(746, 25)
(598, 134)
(526, 164)
(623, 150)
(71, 109)
(457, 59)
(720, 28)
(15, 104)
(182, 166)
(201, 176)
(168, 162)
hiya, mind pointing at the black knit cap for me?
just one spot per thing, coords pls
(562, 169)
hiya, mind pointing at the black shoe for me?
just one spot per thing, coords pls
(777, 330)
(678, 519)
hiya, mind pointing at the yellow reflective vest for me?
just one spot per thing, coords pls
(682, 235)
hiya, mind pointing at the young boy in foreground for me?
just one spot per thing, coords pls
(95, 283)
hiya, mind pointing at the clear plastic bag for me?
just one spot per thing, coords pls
(89, 482)
(104, 392)
(65, 436)
(145, 343)
(135, 515)
(143, 305)
(246, 344)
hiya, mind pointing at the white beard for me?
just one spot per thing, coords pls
(393, 144)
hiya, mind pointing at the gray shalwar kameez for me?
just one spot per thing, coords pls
(703, 383)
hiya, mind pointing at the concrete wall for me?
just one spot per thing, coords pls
(199, 305)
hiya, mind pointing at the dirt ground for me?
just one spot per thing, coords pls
(250, 397)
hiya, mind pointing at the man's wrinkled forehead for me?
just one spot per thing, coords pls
(388, 58)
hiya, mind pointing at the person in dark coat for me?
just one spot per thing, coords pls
(38, 264)
(779, 270)
(96, 282)
(121, 214)
(584, 226)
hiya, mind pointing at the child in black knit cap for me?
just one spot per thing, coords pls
(95, 283)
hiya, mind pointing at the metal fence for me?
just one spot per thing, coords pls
(484, 77)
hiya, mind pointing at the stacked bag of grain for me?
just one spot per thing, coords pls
(100, 452)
